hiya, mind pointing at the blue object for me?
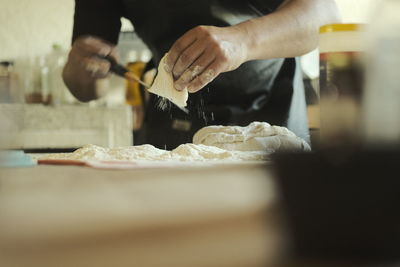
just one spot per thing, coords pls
(15, 159)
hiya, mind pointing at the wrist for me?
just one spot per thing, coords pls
(249, 41)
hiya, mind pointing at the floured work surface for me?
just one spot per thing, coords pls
(71, 216)
(149, 156)
(211, 145)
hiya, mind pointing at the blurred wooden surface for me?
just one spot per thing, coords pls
(191, 216)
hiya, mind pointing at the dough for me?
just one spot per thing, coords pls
(193, 152)
(210, 144)
(258, 136)
(164, 86)
(148, 153)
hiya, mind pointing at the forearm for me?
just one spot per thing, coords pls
(204, 52)
(290, 31)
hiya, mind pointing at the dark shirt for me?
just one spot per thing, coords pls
(262, 90)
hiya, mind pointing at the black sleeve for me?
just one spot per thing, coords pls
(101, 18)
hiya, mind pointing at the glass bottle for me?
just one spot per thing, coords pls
(10, 91)
(5, 82)
(58, 92)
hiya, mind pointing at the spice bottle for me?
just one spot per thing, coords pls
(134, 97)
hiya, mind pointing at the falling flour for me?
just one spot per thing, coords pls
(164, 86)
(210, 144)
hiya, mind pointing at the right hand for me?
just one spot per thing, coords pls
(83, 56)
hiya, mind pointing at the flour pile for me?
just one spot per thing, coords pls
(149, 153)
(210, 144)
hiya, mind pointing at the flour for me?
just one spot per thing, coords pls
(210, 144)
(128, 153)
(164, 86)
(192, 152)
(149, 153)
(258, 136)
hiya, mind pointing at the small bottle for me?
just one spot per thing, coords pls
(10, 91)
(133, 95)
(44, 81)
(5, 82)
(58, 92)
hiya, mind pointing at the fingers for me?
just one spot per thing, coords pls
(187, 58)
(98, 68)
(84, 52)
(91, 46)
(194, 71)
(208, 75)
(197, 57)
(204, 52)
(177, 48)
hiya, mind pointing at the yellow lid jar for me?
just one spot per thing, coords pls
(341, 82)
(341, 38)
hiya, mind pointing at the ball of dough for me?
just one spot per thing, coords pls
(258, 136)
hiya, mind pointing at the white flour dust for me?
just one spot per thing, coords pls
(256, 142)
(146, 153)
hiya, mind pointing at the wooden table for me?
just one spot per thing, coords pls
(188, 216)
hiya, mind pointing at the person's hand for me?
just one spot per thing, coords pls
(84, 52)
(84, 67)
(204, 52)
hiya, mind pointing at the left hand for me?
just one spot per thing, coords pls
(204, 52)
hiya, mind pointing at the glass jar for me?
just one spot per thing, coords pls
(341, 83)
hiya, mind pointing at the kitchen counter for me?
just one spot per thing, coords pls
(187, 216)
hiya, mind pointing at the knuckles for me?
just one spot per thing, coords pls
(91, 45)
(185, 58)
(205, 32)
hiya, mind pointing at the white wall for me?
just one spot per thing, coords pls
(356, 11)
(28, 28)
